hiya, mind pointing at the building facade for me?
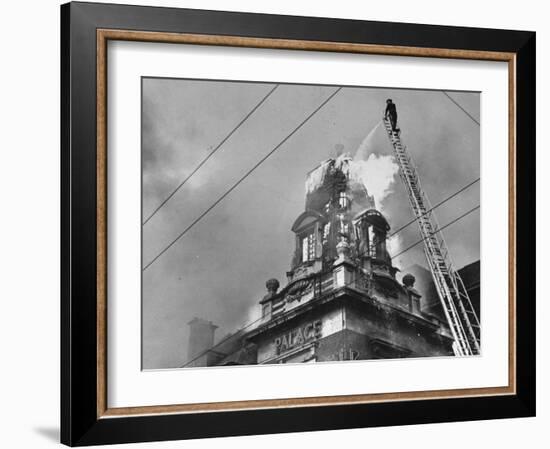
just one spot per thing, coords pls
(341, 299)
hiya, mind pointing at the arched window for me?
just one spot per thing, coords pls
(310, 233)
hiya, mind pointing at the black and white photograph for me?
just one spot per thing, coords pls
(274, 224)
(299, 223)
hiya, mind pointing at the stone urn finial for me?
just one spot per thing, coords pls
(272, 286)
(408, 280)
(342, 249)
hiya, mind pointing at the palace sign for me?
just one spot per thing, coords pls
(299, 336)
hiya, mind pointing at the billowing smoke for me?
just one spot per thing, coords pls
(253, 315)
(377, 174)
(394, 245)
(375, 166)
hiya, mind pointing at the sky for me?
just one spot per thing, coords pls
(217, 270)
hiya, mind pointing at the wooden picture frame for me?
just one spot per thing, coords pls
(85, 417)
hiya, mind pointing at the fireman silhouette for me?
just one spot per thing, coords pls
(391, 112)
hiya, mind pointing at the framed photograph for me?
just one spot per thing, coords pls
(279, 224)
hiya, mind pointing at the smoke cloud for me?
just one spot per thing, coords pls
(377, 174)
(375, 165)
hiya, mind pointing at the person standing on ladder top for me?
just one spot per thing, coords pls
(391, 111)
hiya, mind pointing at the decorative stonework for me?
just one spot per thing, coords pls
(299, 289)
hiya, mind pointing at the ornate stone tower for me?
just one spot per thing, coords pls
(340, 222)
(342, 300)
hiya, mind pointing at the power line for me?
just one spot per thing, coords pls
(436, 231)
(210, 154)
(463, 110)
(434, 207)
(221, 198)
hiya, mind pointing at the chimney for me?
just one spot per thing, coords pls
(201, 338)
